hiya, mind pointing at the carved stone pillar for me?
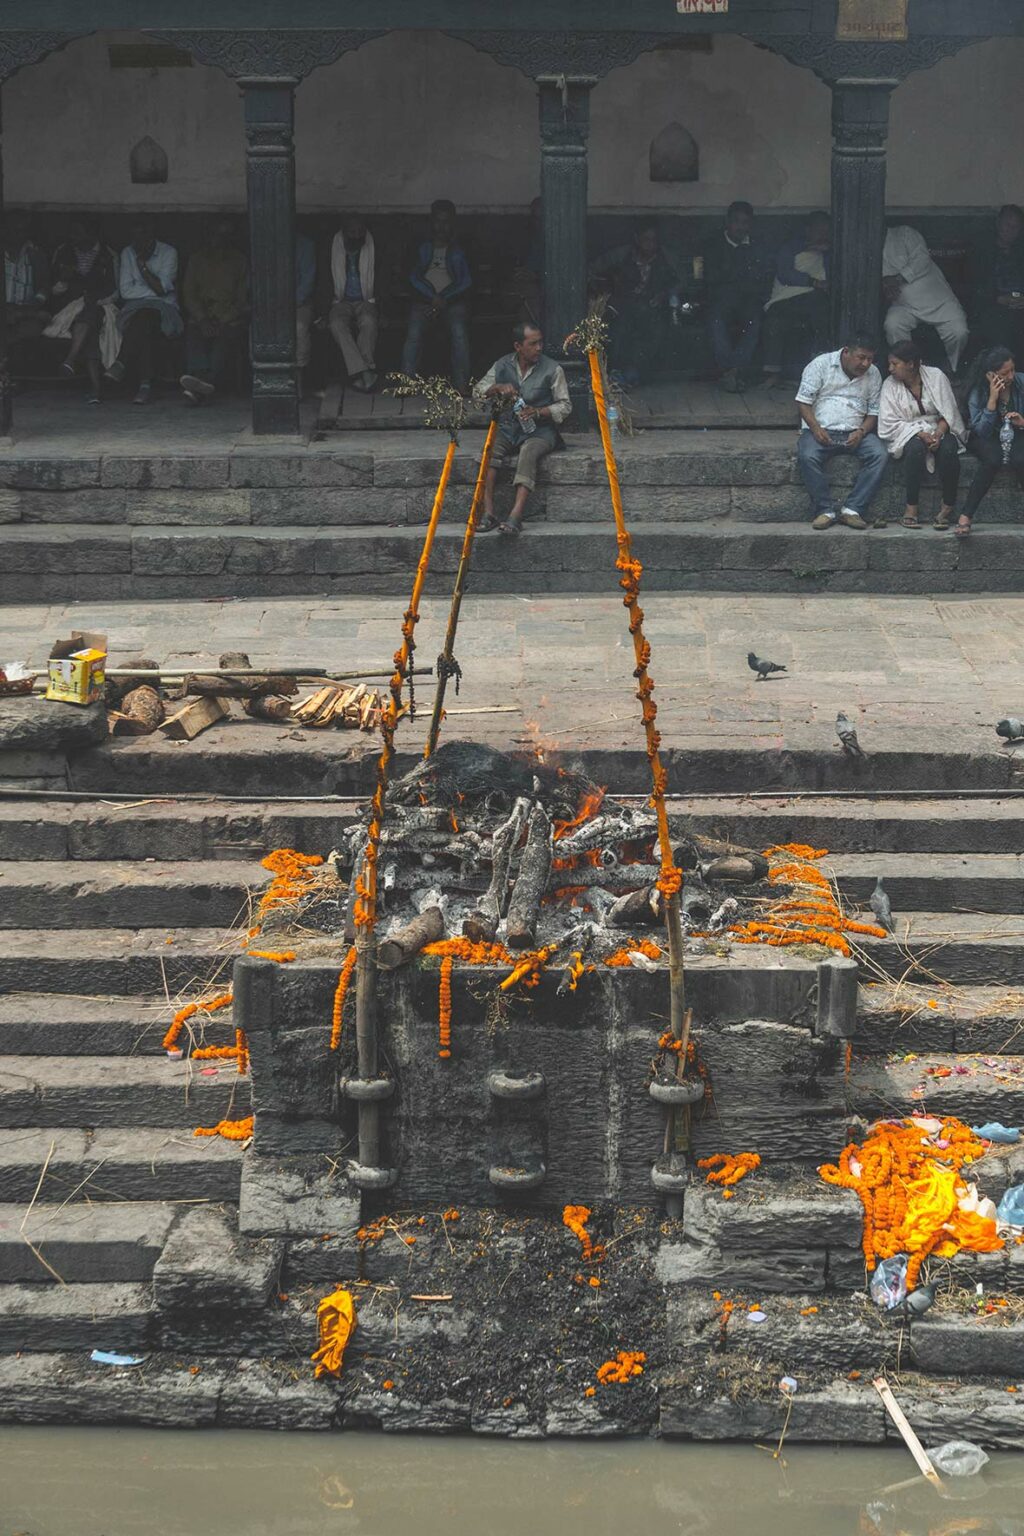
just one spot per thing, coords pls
(270, 185)
(860, 125)
(564, 126)
(6, 409)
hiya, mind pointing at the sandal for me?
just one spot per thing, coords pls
(942, 521)
(963, 528)
(489, 525)
(910, 522)
(510, 530)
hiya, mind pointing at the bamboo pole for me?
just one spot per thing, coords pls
(444, 661)
(366, 881)
(670, 879)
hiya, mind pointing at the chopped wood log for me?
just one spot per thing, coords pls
(739, 869)
(482, 925)
(116, 687)
(636, 907)
(186, 723)
(401, 947)
(141, 712)
(234, 659)
(602, 831)
(247, 685)
(531, 883)
(270, 708)
(624, 877)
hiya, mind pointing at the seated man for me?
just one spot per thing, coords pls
(798, 305)
(536, 387)
(440, 278)
(353, 317)
(735, 277)
(216, 298)
(84, 275)
(305, 288)
(999, 282)
(638, 279)
(27, 280)
(838, 402)
(147, 274)
(917, 293)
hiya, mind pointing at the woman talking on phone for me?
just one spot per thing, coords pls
(995, 416)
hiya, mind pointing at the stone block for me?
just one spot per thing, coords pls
(771, 504)
(747, 467)
(421, 471)
(776, 1270)
(988, 1416)
(167, 551)
(803, 1335)
(297, 1197)
(207, 1264)
(271, 552)
(49, 474)
(263, 1394)
(841, 549)
(896, 583)
(63, 549)
(329, 506)
(19, 767)
(969, 1346)
(759, 1217)
(310, 467)
(842, 1411)
(174, 507)
(85, 506)
(70, 1389)
(899, 551)
(152, 472)
(642, 504)
(665, 551)
(38, 725)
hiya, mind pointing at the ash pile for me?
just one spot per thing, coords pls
(514, 852)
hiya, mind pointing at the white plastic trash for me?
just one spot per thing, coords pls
(958, 1458)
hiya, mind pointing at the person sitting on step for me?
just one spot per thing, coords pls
(216, 298)
(353, 316)
(995, 415)
(84, 275)
(638, 280)
(536, 387)
(735, 277)
(147, 274)
(440, 280)
(798, 306)
(919, 422)
(26, 281)
(917, 293)
(838, 401)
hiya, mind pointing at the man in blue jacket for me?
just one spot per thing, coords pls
(440, 281)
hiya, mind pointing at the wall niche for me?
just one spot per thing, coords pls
(674, 155)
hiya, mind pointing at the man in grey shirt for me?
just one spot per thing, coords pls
(536, 387)
(838, 403)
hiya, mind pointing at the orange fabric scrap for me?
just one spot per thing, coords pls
(336, 1320)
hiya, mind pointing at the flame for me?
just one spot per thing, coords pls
(592, 803)
(454, 819)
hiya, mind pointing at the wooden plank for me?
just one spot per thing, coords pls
(913, 1444)
(196, 716)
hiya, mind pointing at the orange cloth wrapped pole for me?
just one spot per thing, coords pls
(670, 880)
(445, 660)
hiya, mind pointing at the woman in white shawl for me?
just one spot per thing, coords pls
(919, 422)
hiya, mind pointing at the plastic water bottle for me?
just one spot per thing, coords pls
(1006, 438)
(673, 304)
(613, 419)
(529, 426)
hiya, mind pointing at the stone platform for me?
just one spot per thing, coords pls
(173, 504)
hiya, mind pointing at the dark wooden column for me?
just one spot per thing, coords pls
(860, 126)
(270, 186)
(6, 407)
(564, 127)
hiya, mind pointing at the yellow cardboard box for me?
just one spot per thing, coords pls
(77, 668)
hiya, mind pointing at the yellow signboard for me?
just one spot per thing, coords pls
(872, 21)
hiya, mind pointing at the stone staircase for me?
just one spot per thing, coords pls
(119, 1230)
(711, 510)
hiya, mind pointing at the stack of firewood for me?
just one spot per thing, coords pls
(183, 704)
(356, 708)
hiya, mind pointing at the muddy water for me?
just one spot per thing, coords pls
(131, 1482)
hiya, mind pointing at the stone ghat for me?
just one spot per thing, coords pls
(711, 510)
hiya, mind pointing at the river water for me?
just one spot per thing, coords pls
(134, 1482)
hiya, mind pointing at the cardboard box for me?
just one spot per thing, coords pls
(77, 668)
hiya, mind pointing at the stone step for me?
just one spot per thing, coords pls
(115, 1317)
(40, 1091)
(82, 1242)
(40, 1024)
(896, 1017)
(143, 1163)
(798, 1335)
(863, 825)
(931, 882)
(215, 830)
(118, 962)
(966, 948)
(80, 561)
(62, 894)
(976, 1089)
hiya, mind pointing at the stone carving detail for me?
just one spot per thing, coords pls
(564, 53)
(272, 54)
(20, 48)
(831, 60)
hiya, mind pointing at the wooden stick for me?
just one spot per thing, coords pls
(401, 947)
(175, 674)
(482, 924)
(531, 882)
(911, 1441)
(444, 661)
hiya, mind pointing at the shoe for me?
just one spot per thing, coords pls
(192, 397)
(142, 394)
(824, 520)
(68, 370)
(92, 399)
(851, 519)
(115, 372)
(192, 384)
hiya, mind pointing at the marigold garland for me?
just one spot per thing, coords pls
(527, 968)
(340, 993)
(810, 914)
(909, 1186)
(633, 947)
(473, 952)
(444, 1009)
(727, 1168)
(231, 1130)
(183, 1015)
(279, 956)
(575, 1217)
(627, 1363)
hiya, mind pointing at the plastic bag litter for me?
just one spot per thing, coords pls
(958, 1458)
(888, 1286)
(111, 1357)
(1010, 1210)
(994, 1130)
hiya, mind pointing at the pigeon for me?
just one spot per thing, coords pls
(881, 906)
(848, 736)
(919, 1301)
(762, 668)
(1010, 729)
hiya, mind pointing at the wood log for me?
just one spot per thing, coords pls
(482, 925)
(531, 883)
(604, 831)
(141, 712)
(641, 907)
(736, 868)
(624, 877)
(272, 707)
(117, 687)
(186, 723)
(247, 685)
(401, 947)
